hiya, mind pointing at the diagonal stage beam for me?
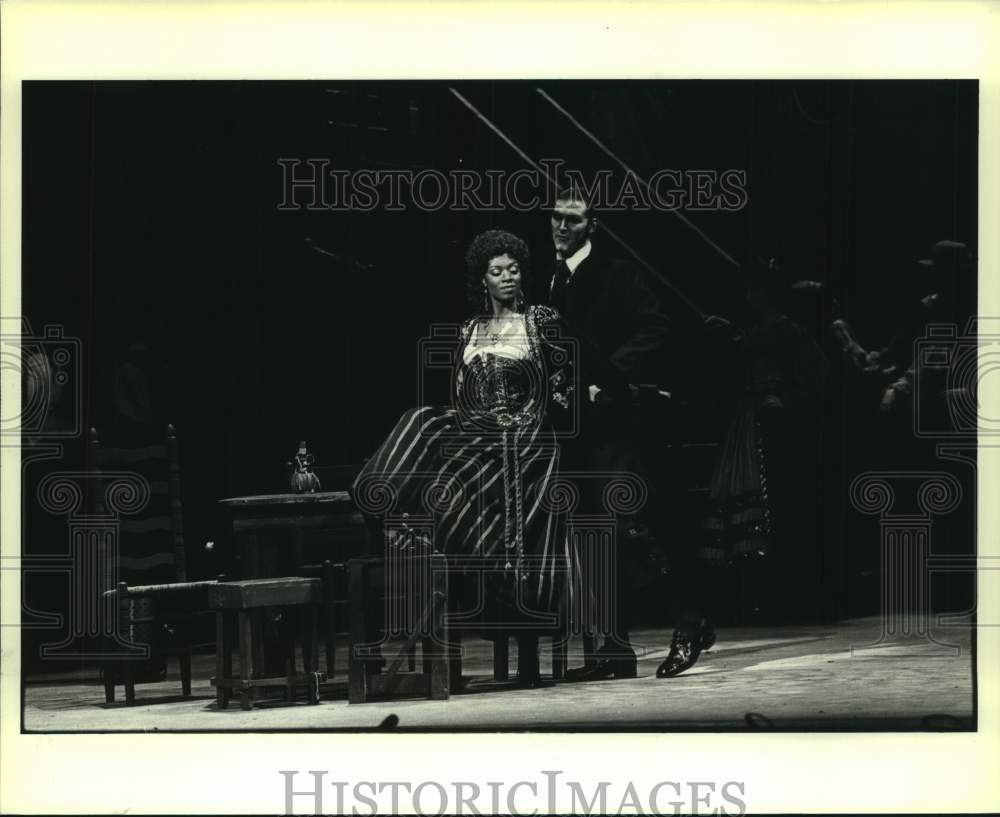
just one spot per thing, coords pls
(607, 151)
(618, 239)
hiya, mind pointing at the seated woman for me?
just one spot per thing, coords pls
(485, 468)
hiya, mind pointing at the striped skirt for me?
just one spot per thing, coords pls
(488, 498)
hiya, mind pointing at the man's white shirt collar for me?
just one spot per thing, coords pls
(578, 257)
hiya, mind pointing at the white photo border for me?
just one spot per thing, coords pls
(238, 773)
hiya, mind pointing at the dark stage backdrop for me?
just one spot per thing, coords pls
(151, 214)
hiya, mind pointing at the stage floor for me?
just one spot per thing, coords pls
(782, 678)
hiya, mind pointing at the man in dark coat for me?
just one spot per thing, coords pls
(622, 334)
(605, 301)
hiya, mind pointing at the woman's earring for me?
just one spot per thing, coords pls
(486, 301)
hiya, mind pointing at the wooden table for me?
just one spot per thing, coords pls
(276, 534)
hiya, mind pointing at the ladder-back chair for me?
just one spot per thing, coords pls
(154, 601)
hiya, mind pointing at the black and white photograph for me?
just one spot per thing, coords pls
(610, 406)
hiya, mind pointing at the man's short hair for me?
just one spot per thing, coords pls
(574, 192)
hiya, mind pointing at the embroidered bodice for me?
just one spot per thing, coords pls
(502, 376)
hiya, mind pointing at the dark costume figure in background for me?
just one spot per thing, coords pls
(849, 432)
(140, 399)
(765, 488)
(485, 467)
(930, 374)
(944, 292)
(813, 308)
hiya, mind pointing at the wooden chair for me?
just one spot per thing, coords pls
(559, 635)
(154, 601)
(415, 593)
(421, 600)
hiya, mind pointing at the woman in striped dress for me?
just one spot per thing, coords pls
(478, 480)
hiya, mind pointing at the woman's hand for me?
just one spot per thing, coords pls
(771, 403)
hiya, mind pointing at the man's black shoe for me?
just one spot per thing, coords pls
(612, 662)
(685, 650)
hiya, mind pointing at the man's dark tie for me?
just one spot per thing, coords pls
(558, 295)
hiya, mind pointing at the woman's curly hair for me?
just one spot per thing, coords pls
(485, 247)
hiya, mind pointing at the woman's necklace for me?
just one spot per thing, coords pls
(502, 332)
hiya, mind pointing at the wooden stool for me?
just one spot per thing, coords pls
(370, 593)
(248, 599)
